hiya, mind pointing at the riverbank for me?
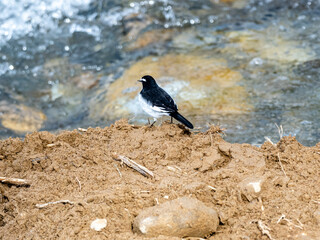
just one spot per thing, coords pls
(80, 166)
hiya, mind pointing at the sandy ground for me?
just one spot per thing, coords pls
(79, 167)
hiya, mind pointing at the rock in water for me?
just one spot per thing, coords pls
(182, 217)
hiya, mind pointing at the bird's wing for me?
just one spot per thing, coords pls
(161, 100)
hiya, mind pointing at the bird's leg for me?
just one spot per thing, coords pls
(148, 121)
(154, 121)
(171, 120)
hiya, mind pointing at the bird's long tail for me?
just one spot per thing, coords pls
(181, 119)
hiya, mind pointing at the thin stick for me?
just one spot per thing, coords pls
(79, 183)
(283, 217)
(53, 144)
(212, 188)
(269, 140)
(280, 130)
(299, 222)
(118, 170)
(260, 200)
(174, 168)
(264, 229)
(130, 163)
(15, 181)
(50, 203)
(82, 129)
(281, 165)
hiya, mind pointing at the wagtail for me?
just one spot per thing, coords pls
(157, 102)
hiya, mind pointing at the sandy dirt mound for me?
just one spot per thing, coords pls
(79, 167)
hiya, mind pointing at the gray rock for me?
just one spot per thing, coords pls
(182, 217)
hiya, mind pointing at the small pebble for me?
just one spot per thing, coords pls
(250, 187)
(98, 224)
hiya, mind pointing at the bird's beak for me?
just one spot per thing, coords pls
(141, 80)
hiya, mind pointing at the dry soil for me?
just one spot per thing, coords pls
(79, 166)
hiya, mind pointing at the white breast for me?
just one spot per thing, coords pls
(153, 111)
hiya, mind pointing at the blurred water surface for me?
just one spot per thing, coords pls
(58, 59)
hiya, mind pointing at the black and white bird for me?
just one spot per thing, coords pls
(157, 102)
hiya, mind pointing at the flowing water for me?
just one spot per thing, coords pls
(59, 59)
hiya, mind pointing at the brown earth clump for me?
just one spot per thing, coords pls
(78, 166)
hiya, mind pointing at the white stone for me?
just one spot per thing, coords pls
(256, 186)
(98, 224)
(145, 223)
(251, 186)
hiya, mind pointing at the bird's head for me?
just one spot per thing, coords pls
(148, 81)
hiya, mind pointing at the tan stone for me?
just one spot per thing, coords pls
(182, 217)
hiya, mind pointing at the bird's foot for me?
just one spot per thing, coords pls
(154, 121)
(152, 124)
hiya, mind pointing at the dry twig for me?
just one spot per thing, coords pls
(53, 144)
(290, 222)
(280, 130)
(212, 188)
(264, 229)
(269, 140)
(215, 129)
(118, 170)
(174, 169)
(15, 181)
(145, 191)
(82, 129)
(211, 140)
(79, 183)
(50, 203)
(281, 165)
(130, 163)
